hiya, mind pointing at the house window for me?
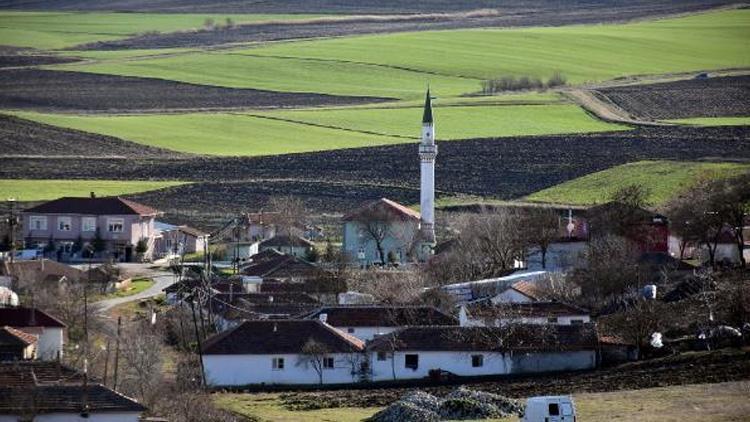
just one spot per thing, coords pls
(327, 363)
(38, 222)
(63, 224)
(552, 320)
(278, 363)
(477, 361)
(115, 225)
(382, 356)
(576, 322)
(350, 330)
(411, 361)
(88, 224)
(554, 409)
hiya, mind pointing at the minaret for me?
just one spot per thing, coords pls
(427, 154)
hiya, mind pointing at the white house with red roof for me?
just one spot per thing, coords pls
(121, 224)
(49, 331)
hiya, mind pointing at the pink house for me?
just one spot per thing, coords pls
(120, 223)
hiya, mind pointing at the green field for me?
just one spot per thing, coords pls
(459, 122)
(42, 190)
(714, 121)
(665, 179)
(53, 30)
(455, 61)
(265, 134)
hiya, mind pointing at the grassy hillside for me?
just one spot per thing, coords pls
(265, 134)
(665, 179)
(41, 190)
(399, 65)
(52, 30)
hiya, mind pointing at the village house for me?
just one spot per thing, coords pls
(177, 240)
(488, 314)
(381, 232)
(418, 352)
(16, 345)
(647, 229)
(49, 331)
(119, 223)
(468, 291)
(367, 322)
(291, 245)
(50, 391)
(231, 309)
(271, 264)
(40, 273)
(295, 352)
(520, 292)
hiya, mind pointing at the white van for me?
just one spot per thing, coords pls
(550, 409)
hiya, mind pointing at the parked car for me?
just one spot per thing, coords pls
(550, 409)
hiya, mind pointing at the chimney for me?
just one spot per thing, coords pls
(323, 317)
(275, 327)
(93, 195)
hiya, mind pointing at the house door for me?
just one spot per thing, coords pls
(128, 253)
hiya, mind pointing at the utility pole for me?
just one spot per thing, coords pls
(198, 340)
(106, 363)
(117, 352)
(12, 227)
(85, 407)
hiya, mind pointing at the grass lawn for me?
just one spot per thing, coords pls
(46, 189)
(666, 179)
(701, 402)
(54, 30)
(136, 286)
(263, 133)
(401, 64)
(715, 121)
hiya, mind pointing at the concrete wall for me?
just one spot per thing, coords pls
(561, 257)
(458, 363)
(238, 370)
(523, 363)
(93, 417)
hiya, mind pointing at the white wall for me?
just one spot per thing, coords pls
(50, 341)
(93, 417)
(239, 370)
(560, 257)
(458, 363)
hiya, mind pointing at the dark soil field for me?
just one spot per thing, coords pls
(20, 137)
(343, 6)
(689, 368)
(49, 90)
(436, 14)
(504, 168)
(713, 97)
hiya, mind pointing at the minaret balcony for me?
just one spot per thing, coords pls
(427, 149)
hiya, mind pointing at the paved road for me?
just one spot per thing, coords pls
(162, 279)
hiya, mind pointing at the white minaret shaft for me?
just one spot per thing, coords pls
(427, 154)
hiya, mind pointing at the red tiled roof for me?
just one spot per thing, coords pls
(20, 316)
(191, 231)
(382, 316)
(278, 337)
(109, 205)
(529, 289)
(18, 336)
(385, 206)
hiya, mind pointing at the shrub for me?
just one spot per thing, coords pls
(510, 83)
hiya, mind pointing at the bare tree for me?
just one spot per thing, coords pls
(488, 245)
(290, 213)
(143, 355)
(542, 228)
(314, 354)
